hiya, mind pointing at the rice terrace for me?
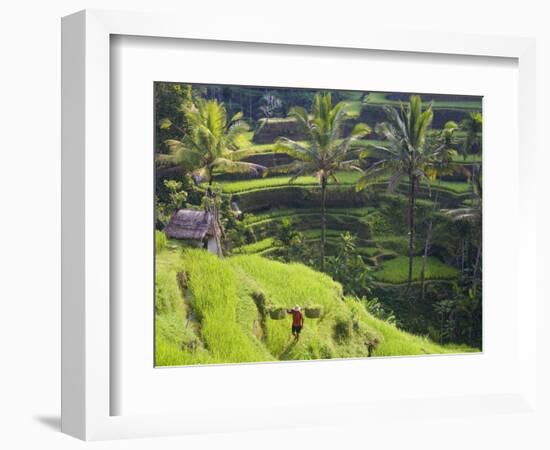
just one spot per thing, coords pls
(301, 224)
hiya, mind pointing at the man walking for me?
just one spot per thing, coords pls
(297, 321)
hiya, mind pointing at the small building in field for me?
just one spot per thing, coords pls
(197, 228)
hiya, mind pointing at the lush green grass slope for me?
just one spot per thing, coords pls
(345, 178)
(217, 311)
(380, 98)
(231, 187)
(281, 213)
(396, 270)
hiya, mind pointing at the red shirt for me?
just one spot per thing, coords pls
(297, 317)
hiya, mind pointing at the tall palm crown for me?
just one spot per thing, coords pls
(443, 163)
(408, 153)
(473, 125)
(326, 151)
(210, 141)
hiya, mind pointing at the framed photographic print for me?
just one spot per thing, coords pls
(230, 233)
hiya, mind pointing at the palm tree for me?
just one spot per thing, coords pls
(209, 142)
(473, 126)
(442, 164)
(406, 155)
(326, 151)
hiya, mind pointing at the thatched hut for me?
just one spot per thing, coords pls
(198, 228)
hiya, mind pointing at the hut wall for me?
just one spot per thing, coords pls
(213, 245)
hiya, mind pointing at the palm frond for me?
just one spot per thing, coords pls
(302, 168)
(236, 117)
(373, 173)
(360, 130)
(464, 214)
(294, 149)
(237, 155)
(230, 166)
(301, 116)
(394, 181)
(165, 123)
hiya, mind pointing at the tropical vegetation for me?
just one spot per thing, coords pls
(364, 208)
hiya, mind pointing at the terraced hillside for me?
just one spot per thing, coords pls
(225, 304)
(377, 219)
(273, 233)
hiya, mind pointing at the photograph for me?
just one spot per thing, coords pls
(296, 224)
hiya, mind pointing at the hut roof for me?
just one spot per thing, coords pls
(191, 224)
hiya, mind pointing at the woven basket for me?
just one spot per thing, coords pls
(277, 313)
(313, 312)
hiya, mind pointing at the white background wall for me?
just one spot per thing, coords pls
(30, 193)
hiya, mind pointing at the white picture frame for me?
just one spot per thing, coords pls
(86, 246)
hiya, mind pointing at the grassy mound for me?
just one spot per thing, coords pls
(211, 310)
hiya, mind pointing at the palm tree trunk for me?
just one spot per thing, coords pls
(424, 258)
(412, 202)
(214, 211)
(462, 257)
(323, 220)
(441, 329)
(473, 183)
(210, 172)
(427, 248)
(476, 266)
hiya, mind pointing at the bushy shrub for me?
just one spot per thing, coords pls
(378, 223)
(408, 306)
(348, 266)
(459, 319)
(394, 207)
(343, 327)
(377, 309)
